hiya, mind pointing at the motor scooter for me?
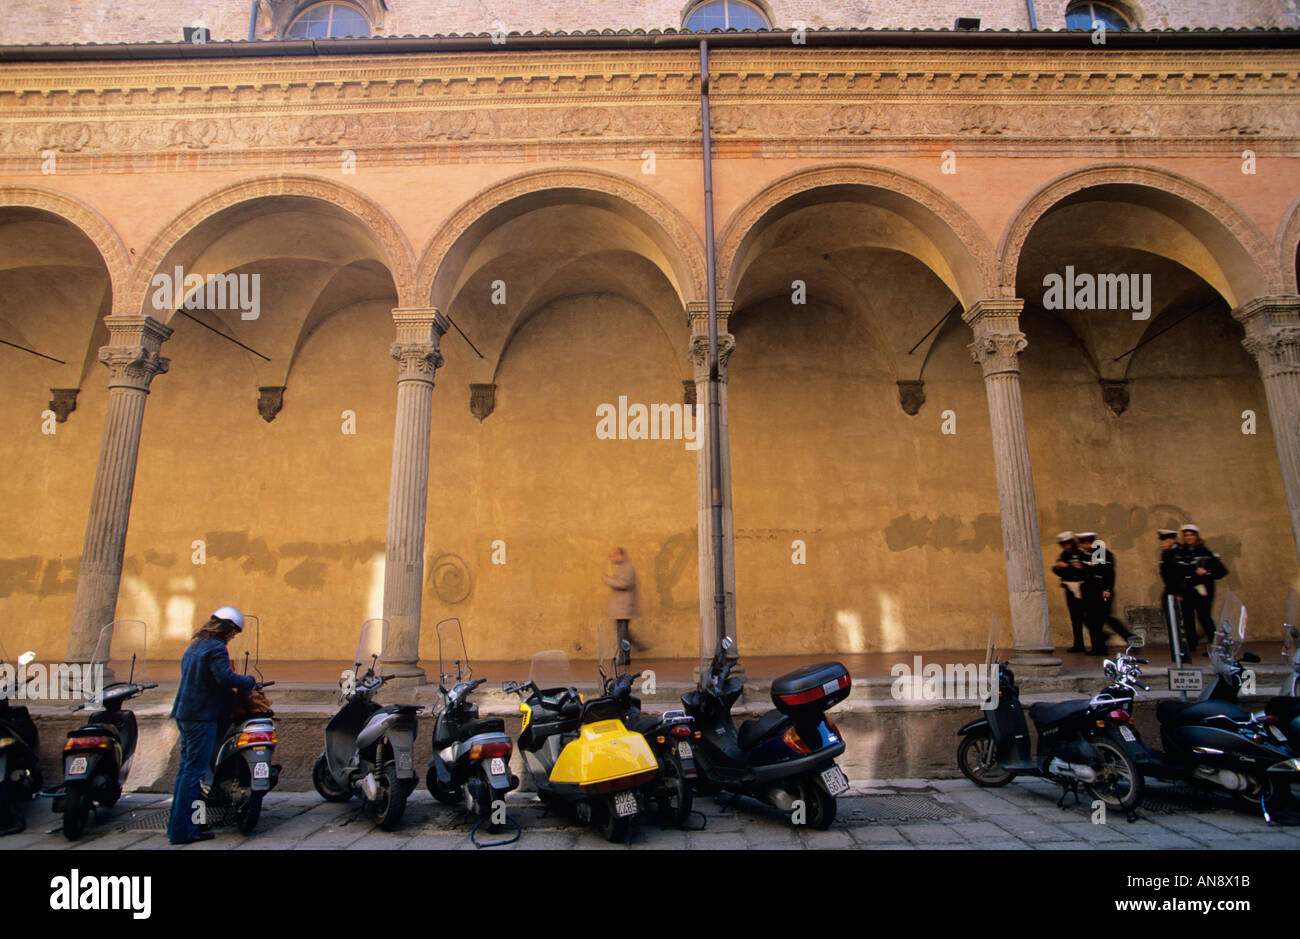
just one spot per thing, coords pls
(369, 748)
(20, 764)
(241, 772)
(471, 757)
(786, 758)
(97, 756)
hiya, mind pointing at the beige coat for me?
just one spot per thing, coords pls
(623, 603)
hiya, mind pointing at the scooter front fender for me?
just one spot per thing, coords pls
(981, 723)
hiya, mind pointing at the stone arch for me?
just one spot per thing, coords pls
(968, 250)
(681, 244)
(1288, 244)
(1253, 270)
(93, 225)
(379, 223)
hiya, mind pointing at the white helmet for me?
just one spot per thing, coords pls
(231, 614)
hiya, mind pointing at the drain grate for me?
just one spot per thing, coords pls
(1183, 798)
(894, 809)
(157, 819)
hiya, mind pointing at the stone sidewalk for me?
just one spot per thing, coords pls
(900, 814)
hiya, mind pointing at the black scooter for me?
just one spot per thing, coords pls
(20, 765)
(97, 756)
(1215, 742)
(786, 758)
(471, 757)
(1079, 741)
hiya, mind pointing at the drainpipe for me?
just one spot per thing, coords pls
(252, 21)
(715, 430)
(1033, 20)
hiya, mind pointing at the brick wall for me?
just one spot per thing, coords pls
(100, 21)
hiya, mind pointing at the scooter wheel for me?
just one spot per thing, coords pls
(819, 805)
(247, 815)
(971, 754)
(674, 796)
(76, 810)
(445, 796)
(1123, 786)
(392, 800)
(325, 785)
(614, 829)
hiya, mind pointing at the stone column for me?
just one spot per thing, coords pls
(1273, 338)
(418, 358)
(697, 315)
(997, 347)
(132, 358)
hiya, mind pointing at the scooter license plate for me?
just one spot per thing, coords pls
(835, 780)
(261, 770)
(497, 767)
(624, 804)
(684, 751)
(1127, 734)
(77, 766)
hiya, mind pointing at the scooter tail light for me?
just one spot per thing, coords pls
(1121, 715)
(256, 737)
(682, 730)
(87, 743)
(496, 748)
(1268, 719)
(791, 738)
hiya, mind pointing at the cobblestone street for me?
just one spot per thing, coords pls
(881, 815)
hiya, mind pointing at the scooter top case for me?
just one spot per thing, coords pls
(605, 757)
(811, 689)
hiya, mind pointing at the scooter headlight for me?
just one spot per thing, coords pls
(1286, 766)
(6, 741)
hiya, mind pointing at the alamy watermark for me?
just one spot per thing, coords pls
(1098, 292)
(242, 292)
(59, 681)
(648, 422)
(930, 681)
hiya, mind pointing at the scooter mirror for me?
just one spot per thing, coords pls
(625, 646)
(727, 643)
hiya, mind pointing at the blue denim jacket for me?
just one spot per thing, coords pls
(206, 682)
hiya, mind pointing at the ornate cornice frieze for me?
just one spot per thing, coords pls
(257, 107)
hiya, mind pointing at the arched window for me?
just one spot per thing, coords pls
(724, 14)
(326, 20)
(1083, 15)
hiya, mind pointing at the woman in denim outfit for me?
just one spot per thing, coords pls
(202, 701)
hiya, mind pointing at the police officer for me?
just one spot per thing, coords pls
(1198, 568)
(1171, 584)
(1098, 592)
(1069, 568)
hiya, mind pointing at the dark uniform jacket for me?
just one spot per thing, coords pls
(206, 681)
(1185, 562)
(1071, 574)
(1099, 571)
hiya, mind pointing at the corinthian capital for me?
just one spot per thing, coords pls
(416, 349)
(1272, 333)
(998, 339)
(697, 317)
(132, 353)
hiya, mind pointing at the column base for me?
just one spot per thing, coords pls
(1032, 664)
(408, 674)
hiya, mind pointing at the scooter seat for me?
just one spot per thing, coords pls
(91, 730)
(1284, 708)
(645, 723)
(1055, 713)
(489, 725)
(1179, 713)
(751, 732)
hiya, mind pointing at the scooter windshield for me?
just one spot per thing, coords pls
(453, 659)
(370, 647)
(244, 647)
(550, 669)
(1230, 634)
(611, 661)
(119, 657)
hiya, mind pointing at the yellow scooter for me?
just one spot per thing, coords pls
(580, 754)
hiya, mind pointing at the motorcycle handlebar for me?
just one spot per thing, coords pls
(265, 684)
(147, 687)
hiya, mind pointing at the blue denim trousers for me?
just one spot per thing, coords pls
(197, 740)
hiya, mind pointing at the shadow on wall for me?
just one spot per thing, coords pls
(1121, 526)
